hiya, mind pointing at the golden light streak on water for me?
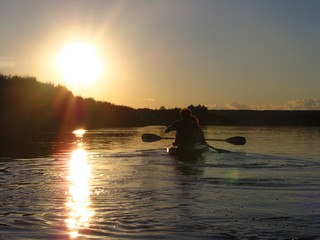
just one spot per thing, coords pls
(79, 132)
(79, 201)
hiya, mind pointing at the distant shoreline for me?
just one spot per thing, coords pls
(30, 108)
(237, 117)
(271, 117)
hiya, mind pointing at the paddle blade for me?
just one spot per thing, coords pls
(236, 140)
(149, 137)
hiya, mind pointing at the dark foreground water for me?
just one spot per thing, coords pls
(108, 184)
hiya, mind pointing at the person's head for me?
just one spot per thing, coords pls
(185, 113)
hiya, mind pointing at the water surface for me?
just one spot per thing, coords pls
(108, 184)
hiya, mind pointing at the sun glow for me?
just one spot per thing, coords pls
(79, 64)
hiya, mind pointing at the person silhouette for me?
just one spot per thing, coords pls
(188, 131)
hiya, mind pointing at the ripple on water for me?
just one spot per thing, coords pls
(146, 194)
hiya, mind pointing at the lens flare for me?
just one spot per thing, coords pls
(232, 176)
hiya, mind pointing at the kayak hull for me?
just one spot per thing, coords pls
(194, 150)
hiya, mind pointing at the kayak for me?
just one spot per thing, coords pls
(196, 149)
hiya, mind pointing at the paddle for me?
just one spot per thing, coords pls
(237, 140)
(149, 137)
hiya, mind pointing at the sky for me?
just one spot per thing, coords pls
(224, 54)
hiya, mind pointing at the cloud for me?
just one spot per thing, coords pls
(304, 104)
(238, 105)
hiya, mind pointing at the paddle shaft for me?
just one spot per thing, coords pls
(207, 139)
(233, 140)
(214, 139)
(149, 137)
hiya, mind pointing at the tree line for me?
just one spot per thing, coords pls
(29, 108)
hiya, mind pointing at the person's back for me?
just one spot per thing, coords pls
(188, 131)
(198, 134)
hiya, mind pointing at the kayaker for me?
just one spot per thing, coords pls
(188, 131)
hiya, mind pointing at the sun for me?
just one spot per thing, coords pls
(79, 63)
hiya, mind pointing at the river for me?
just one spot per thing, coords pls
(108, 184)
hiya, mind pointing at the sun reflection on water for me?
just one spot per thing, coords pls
(79, 132)
(79, 203)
